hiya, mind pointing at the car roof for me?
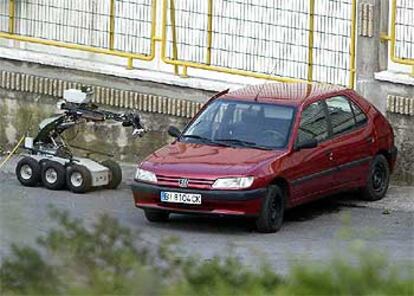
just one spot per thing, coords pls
(284, 93)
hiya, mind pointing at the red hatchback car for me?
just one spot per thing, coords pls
(263, 149)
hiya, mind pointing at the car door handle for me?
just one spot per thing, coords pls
(369, 139)
(330, 155)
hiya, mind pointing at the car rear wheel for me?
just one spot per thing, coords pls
(273, 209)
(156, 216)
(378, 179)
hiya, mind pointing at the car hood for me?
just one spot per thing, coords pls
(206, 161)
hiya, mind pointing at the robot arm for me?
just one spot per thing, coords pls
(91, 112)
(77, 105)
(77, 108)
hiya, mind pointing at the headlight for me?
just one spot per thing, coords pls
(146, 176)
(233, 183)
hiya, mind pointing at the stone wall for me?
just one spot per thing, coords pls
(21, 112)
(404, 139)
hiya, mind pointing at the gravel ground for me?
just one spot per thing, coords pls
(311, 232)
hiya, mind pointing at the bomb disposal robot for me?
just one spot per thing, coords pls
(50, 161)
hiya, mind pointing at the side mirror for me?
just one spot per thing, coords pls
(308, 144)
(174, 132)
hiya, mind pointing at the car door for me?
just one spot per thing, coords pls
(311, 169)
(351, 143)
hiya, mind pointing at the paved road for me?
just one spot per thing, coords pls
(309, 232)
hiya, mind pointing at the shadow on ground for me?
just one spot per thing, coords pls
(237, 225)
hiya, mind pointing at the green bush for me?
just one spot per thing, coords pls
(105, 259)
(372, 275)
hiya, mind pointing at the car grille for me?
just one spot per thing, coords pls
(192, 182)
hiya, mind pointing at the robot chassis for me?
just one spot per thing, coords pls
(49, 159)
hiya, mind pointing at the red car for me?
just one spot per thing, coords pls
(263, 149)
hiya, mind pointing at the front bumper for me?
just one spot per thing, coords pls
(220, 202)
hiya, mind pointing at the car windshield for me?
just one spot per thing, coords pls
(242, 124)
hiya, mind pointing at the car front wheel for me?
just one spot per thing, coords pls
(378, 179)
(273, 209)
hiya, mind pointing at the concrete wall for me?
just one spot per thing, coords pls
(375, 80)
(404, 139)
(95, 78)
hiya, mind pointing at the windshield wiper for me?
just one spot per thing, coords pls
(204, 140)
(196, 137)
(243, 143)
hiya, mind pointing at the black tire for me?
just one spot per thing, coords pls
(116, 173)
(53, 175)
(272, 212)
(157, 216)
(378, 179)
(28, 171)
(78, 179)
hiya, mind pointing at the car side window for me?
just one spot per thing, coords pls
(341, 114)
(313, 123)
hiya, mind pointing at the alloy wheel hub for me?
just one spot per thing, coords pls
(51, 176)
(76, 179)
(26, 172)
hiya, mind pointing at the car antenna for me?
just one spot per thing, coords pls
(264, 84)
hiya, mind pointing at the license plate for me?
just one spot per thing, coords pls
(182, 198)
